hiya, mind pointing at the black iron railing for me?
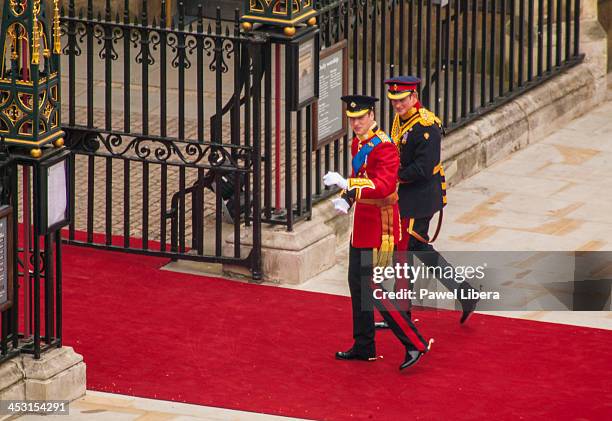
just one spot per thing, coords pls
(472, 55)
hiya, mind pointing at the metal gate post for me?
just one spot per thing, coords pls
(255, 49)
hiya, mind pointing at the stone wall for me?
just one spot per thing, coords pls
(605, 18)
(60, 374)
(135, 6)
(154, 7)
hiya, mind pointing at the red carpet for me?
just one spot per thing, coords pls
(158, 334)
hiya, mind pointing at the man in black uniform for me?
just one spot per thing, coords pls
(417, 133)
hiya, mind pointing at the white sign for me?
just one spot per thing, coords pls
(57, 195)
(4, 279)
(330, 92)
(306, 71)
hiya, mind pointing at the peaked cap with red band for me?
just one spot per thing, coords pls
(402, 86)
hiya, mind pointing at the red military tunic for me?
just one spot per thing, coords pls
(377, 179)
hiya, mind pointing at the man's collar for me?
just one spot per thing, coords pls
(370, 134)
(409, 114)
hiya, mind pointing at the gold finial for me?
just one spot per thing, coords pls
(289, 31)
(57, 45)
(312, 21)
(35, 33)
(58, 143)
(36, 153)
(247, 26)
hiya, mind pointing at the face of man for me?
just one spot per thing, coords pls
(403, 106)
(361, 125)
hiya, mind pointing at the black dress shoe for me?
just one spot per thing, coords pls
(381, 325)
(412, 356)
(468, 308)
(351, 354)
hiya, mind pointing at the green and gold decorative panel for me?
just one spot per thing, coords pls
(282, 13)
(29, 74)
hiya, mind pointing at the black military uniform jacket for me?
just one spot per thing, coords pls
(422, 187)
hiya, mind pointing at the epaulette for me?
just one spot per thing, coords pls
(424, 117)
(428, 118)
(383, 136)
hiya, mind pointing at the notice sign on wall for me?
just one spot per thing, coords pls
(57, 193)
(54, 181)
(6, 257)
(306, 75)
(302, 70)
(330, 120)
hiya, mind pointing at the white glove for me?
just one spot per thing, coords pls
(341, 205)
(333, 178)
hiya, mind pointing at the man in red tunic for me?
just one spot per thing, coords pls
(372, 188)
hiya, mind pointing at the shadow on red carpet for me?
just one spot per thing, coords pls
(158, 334)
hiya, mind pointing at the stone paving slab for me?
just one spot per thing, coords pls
(99, 406)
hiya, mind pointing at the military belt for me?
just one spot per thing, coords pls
(381, 203)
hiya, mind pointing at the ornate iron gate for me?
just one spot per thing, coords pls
(163, 116)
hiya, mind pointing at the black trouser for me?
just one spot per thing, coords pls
(429, 255)
(363, 302)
